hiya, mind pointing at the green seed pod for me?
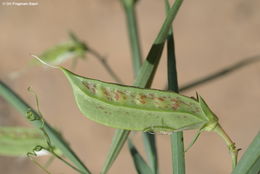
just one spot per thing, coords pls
(18, 141)
(132, 108)
(63, 52)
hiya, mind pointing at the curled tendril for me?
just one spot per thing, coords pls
(30, 116)
(51, 149)
(36, 149)
(32, 154)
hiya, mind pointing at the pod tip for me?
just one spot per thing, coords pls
(45, 63)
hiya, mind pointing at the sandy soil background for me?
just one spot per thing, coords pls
(209, 35)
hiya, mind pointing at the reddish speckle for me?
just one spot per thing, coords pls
(93, 90)
(117, 96)
(143, 97)
(120, 94)
(86, 84)
(105, 92)
(161, 99)
(142, 101)
(90, 87)
(175, 106)
(174, 100)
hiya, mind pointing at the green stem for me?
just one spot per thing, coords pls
(223, 72)
(67, 163)
(55, 137)
(177, 144)
(230, 144)
(129, 8)
(39, 165)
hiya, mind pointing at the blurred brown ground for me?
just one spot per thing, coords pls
(209, 35)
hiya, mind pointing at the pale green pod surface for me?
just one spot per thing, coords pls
(18, 141)
(134, 108)
(63, 52)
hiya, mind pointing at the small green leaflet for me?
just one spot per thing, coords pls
(72, 49)
(18, 141)
(132, 108)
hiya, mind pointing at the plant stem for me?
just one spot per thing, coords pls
(178, 157)
(221, 73)
(55, 137)
(129, 8)
(231, 145)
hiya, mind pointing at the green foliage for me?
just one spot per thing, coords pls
(250, 161)
(140, 164)
(18, 141)
(126, 107)
(64, 51)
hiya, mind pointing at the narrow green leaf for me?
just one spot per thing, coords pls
(18, 141)
(118, 141)
(147, 71)
(140, 164)
(221, 73)
(250, 161)
(54, 136)
(129, 9)
(151, 151)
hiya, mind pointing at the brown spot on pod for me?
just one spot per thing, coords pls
(107, 94)
(117, 96)
(105, 91)
(142, 98)
(142, 101)
(161, 99)
(175, 106)
(174, 100)
(91, 87)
